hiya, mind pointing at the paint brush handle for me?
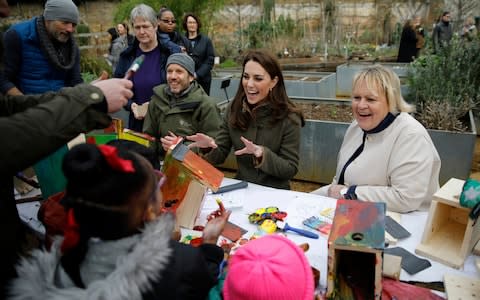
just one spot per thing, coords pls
(302, 232)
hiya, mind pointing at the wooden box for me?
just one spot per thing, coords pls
(188, 177)
(355, 250)
(449, 235)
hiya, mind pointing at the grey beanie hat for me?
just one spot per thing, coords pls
(183, 60)
(61, 10)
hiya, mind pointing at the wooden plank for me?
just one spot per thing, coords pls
(189, 208)
(449, 193)
(392, 266)
(461, 287)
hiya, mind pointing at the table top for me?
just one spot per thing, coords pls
(300, 206)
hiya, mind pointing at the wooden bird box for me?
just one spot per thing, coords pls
(449, 235)
(355, 250)
(188, 177)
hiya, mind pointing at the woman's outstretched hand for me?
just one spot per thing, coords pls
(250, 148)
(201, 140)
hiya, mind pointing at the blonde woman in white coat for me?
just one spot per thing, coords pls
(386, 155)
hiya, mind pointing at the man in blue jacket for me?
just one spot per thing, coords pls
(42, 56)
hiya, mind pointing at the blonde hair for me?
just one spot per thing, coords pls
(382, 79)
(469, 21)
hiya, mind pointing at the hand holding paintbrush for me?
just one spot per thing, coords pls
(216, 224)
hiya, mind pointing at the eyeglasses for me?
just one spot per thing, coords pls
(168, 21)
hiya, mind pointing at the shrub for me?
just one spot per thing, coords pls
(228, 63)
(445, 86)
(94, 66)
(83, 28)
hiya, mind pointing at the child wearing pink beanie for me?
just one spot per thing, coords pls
(268, 268)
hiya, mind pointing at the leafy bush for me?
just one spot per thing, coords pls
(83, 28)
(446, 86)
(229, 63)
(94, 66)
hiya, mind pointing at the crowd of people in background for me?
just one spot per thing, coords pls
(117, 242)
(413, 37)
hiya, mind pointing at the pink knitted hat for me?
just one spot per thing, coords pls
(268, 268)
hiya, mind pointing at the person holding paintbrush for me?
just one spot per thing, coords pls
(117, 244)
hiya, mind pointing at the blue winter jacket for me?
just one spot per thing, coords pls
(28, 68)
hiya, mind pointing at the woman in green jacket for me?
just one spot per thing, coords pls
(262, 125)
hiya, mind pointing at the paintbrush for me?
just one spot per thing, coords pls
(283, 226)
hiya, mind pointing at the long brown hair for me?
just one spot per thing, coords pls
(279, 102)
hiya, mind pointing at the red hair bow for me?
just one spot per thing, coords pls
(115, 161)
(71, 235)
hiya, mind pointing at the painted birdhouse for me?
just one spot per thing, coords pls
(188, 178)
(355, 250)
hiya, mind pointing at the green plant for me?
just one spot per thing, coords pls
(93, 65)
(228, 63)
(88, 77)
(199, 7)
(83, 28)
(445, 86)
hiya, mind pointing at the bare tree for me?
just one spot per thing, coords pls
(461, 9)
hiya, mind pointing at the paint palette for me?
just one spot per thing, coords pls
(318, 224)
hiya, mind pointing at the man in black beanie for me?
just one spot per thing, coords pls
(181, 107)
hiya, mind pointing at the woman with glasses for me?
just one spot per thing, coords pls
(201, 50)
(169, 37)
(152, 71)
(115, 245)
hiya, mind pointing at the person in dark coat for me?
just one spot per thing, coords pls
(442, 32)
(262, 125)
(180, 107)
(152, 71)
(35, 126)
(201, 50)
(42, 56)
(170, 38)
(115, 245)
(408, 43)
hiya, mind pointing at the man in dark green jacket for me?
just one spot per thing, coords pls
(181, 107)
(33, 127)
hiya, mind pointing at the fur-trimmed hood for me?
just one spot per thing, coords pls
(42, 277)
